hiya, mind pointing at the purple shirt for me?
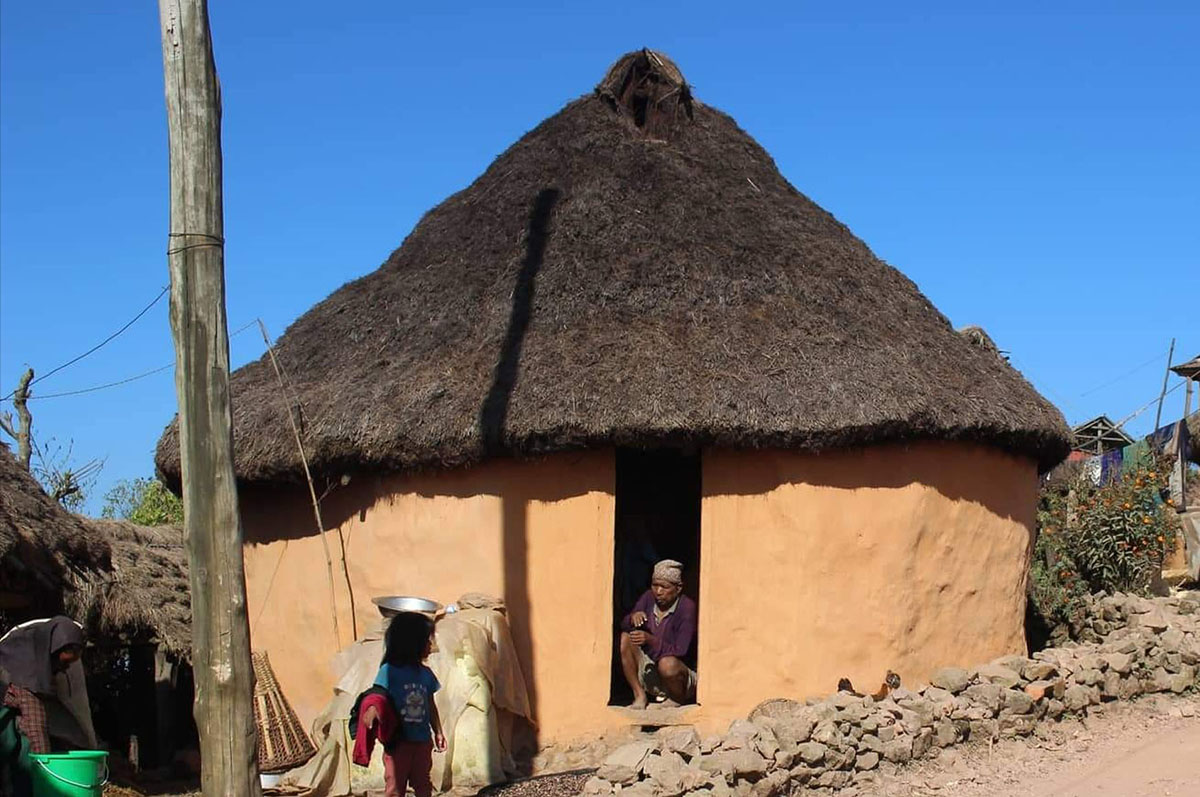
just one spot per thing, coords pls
(675, 635)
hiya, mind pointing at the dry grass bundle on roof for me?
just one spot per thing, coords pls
(145, 596)
(598, 286)
(648, 89)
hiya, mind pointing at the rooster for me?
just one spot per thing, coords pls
(891, 683)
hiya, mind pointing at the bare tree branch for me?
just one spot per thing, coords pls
(20, 434)
(67, 488)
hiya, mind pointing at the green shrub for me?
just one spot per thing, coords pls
(146, 502)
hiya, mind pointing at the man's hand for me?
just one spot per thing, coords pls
(439, 742)
(638, 619)
(641, 638)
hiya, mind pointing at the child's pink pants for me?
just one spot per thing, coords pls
(408, 764)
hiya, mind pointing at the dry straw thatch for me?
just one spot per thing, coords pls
(602, 285)
(144, 596)
(42, 546)
(123, 582)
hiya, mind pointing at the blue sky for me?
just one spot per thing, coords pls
(1035, 171)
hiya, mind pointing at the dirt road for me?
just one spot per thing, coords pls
(1148, 747)
(1166, 764)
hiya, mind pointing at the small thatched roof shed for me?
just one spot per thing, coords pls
(634, 269)
(43, 547)
(144, 596)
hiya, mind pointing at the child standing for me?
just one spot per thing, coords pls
(411, 684)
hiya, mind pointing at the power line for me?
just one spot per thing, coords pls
(1149, 404)
(244, 328)
(1130, 372)
(129, 379)
(99, 345)
(1059, 400)
(126, 381)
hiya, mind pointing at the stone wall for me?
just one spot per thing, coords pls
(1141, 646)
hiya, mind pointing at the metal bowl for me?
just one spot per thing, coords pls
(394, 604)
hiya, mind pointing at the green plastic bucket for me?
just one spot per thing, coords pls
(80, 773)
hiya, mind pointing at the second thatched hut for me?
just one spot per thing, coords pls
(44, 549)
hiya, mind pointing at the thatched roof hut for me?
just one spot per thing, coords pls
(124, 582)
(43, 547)
(632, 333)
(599, 285)
(144, 597)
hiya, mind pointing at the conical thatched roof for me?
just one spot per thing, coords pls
(42, 545)
(608, 283)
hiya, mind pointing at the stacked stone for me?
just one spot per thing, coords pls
(1148, 646)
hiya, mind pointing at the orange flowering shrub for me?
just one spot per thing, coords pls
(1110, 538)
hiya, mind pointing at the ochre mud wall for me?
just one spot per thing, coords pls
(537, 533)
(852, 563)
(813, 567)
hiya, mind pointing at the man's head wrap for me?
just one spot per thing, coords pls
(670, 571)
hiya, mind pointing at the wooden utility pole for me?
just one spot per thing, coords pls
(220, 630)
(1163, 395)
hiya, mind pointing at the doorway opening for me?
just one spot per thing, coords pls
(657, 517)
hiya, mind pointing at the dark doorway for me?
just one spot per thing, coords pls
(657, 517)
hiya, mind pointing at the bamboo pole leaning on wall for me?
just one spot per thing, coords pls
(223, 672)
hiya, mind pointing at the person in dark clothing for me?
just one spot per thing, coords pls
(32, 708)
(657, 639)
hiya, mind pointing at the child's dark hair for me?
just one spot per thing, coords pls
(406, 639)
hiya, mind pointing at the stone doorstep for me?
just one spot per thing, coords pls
(658, 717)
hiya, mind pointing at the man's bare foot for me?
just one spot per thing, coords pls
(639, 702)
(669, 703)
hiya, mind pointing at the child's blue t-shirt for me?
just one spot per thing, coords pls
(412, 690)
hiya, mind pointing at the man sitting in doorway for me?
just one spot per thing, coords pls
(657, 639)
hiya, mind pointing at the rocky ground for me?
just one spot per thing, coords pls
(1142, 748)
(1116, 714)
(1137, 749)
(844, 742)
